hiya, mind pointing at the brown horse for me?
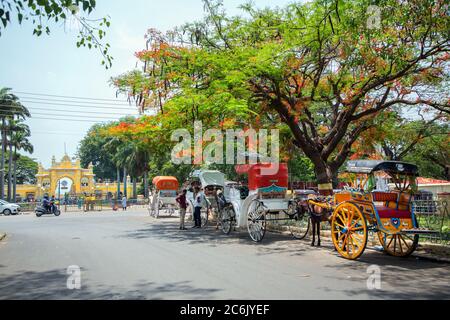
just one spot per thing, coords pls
(318, 215)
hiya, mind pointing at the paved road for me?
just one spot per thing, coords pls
(132, 256)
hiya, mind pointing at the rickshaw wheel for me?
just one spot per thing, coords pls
(204, 216)
(227, 220)
(299, 223)
(349, 231)
(399, 245)
(170, 210)
(256, 221)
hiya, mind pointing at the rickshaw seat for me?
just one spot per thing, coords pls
(385, 212)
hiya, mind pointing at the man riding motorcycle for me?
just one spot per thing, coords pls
(46, 203)
(49, 204)
(53, 204)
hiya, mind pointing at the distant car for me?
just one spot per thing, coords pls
(7, 208)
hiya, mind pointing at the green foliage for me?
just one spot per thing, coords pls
(316, 67)
(92, 149)
(41, 12)
(164, 167)
(10, 106)
(432, 156)
(26, 170)
(301, 169)
(419, 140)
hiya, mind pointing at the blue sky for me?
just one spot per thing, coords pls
(53, 65)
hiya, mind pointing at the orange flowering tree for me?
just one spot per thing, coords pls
(324, 70)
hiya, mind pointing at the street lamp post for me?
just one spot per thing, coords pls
(59, 194)
(39, 186)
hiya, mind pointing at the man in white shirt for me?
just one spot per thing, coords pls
(199, 203)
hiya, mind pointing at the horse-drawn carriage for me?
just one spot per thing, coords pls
(211, 182)
(264, 200)
(163, 197)
(360, 209)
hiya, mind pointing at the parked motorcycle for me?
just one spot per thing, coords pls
(53, 210)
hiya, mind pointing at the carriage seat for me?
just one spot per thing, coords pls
(385, 212)
(390, 199)
(384, 196)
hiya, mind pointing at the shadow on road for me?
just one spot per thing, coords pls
(395, 272)
(28, 285)
(273, 243)
(401, 278)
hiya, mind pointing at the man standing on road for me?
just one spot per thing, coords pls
(200, 201)
(124, 203)
(181, 200)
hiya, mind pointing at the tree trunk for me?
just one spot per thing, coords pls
(125, 187)
(118, 183)
(146, 185)
(10, 161)
(2, 163)
(324, 176)
(134, 188)
(15, 177)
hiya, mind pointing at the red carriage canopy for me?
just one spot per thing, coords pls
(166, 183)
(265, 175)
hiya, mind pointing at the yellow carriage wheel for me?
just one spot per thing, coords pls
(398, 245)
(349, 231)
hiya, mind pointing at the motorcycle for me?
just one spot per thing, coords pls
(53, 210)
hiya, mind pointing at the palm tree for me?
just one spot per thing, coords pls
(10, 107)
(19, 141)
(135, 160)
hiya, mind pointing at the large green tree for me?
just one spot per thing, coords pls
(421, 141)
(41, 13)
(19, 141)
(92, 150)
(432, 156)
(10, 109)
(27, 168)
(325, 69)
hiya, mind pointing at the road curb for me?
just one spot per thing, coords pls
(425, 256)
(430, 258)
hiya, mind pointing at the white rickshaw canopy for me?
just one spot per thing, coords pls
(210, 177)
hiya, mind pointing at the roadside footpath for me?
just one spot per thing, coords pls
(429, 251)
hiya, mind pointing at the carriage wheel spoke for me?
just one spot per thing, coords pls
(341, 237)
(400, 244)
(357, 240)
(346, 217)
(411, 239)
(353, 245)
(390, 242)
(341, 216)
(340, 225)
(406, 244)
(357, 221)
(360, 236)
(352, 214)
